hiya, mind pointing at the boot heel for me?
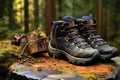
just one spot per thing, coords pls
(53, 52)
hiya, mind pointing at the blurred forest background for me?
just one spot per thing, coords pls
(23, 16)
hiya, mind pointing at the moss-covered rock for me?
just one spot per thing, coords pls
(8, 53)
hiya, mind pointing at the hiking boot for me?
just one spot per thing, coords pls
(65, 42)
(87, 28)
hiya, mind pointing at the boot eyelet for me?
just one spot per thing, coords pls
(96, 45)
(73, 43)
(83, 39)
(92, 42)
(88, 38)
(66, 38)
(77, 47)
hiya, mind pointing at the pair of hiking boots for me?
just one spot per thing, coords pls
(77, 40)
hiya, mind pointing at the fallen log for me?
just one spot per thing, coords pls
(36, 43)
(32, 42)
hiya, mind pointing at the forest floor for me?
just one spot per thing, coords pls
(44, 62)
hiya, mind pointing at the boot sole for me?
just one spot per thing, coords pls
(57, 53)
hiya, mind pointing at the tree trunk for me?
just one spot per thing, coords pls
(105, 19)
(49, 14)
(95, 7)
(26, 16)
(11, 19)
(116, 12)
(99, 28)
(36, 13)
(60, 8)
(2, 8)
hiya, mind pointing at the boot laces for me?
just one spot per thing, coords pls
(71, 34)
(91, 32)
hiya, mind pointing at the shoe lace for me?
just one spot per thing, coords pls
(91, 32)
(71, 34)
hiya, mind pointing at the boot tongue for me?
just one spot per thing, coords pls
(91, 22)
(68, 18)
(92, 26)
(72, 23)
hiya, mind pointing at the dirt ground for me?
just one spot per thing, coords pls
(45, 62)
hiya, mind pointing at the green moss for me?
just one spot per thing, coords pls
(85, 76)
(17, 67)
(66, 71)
(89, 76)
(42, 34)
(39, 32)
(8, 53)
(6, 47)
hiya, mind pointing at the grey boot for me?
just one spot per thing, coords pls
(87, 28)
(65, 42)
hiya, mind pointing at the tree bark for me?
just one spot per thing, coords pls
(105, 19)
(10, 12)
(99, 28)
(2, 8)
(33, 46)
(36, 13)
(26, 16)
(36, 43)
(60, 8)
(49, 14)
(116, 23)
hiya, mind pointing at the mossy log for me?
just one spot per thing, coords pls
(36, 43)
